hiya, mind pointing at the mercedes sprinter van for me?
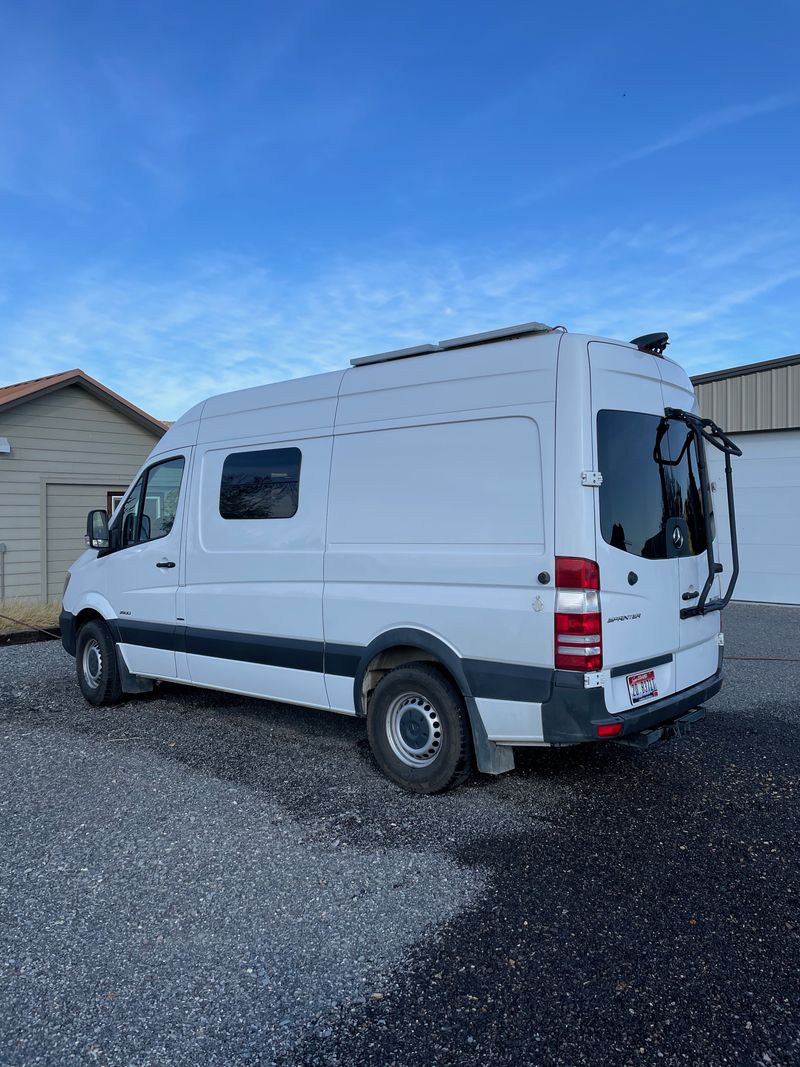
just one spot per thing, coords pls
(503, 539)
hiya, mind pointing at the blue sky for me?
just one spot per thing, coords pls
(197, 197)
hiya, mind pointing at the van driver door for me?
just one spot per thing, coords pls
(141, 572)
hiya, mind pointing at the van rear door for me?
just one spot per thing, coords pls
(698, 649)
(636, 542)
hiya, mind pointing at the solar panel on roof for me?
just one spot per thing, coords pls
(504, 333)
(398, 353)
(496, 335)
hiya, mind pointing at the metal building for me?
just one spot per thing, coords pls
(759, 405)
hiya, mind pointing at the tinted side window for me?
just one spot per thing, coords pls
(639, 495)
(260, 485)
(161, 499)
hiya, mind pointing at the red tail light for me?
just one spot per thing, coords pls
(609, 729)
(576, 573)
(578, 632)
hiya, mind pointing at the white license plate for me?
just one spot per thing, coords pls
(642, 686)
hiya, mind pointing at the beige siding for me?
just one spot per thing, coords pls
(67, 442)
(67, 506)
(766, 400)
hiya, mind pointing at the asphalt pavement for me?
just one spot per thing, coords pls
(194, 878)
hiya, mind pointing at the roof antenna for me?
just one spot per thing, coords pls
(654, 343)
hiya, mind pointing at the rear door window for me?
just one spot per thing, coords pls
(642, 501)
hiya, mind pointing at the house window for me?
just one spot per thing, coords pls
(113, 497)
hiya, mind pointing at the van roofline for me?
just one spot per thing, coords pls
(505, 333)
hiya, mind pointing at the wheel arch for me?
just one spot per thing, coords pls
(407, 645)
(397, 647)
(93, 606)
(87, 615)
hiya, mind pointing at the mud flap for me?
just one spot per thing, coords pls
(490, 757)
(132, 683)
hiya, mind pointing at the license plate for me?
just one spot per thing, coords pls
(642, 686)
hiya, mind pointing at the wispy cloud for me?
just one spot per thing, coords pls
(85, 128)
(715, 120)
(690, 131)
(224, 322)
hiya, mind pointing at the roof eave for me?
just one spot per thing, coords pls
(96, 389)
(745, 369)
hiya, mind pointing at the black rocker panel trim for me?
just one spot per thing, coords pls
(149, 634)
(342, 660)
(477, 678)
(508, 681)
(288, 652)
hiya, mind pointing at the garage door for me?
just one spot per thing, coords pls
(766, 482)
(67, 506)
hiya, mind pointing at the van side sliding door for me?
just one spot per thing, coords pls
(254, 569)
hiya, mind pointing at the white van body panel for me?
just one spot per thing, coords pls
(451, 540)
(435, 494)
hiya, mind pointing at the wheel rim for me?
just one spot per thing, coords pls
(414, 729)
(92, 663)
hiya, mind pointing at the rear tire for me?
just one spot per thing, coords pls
(96, 664)
(418, 729)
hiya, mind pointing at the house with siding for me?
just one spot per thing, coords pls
(67, 444)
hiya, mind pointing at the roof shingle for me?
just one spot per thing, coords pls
(14, 394)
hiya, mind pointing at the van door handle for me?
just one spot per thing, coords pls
(165, 563)
(691, 595)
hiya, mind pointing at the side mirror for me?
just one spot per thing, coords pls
(97, 529)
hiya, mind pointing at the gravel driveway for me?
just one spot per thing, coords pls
(193, 878)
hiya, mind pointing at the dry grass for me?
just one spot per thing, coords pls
(27, 615)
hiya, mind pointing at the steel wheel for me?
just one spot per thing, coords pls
(92, 663)
(96, 664)
(418, 728)
(414, 729)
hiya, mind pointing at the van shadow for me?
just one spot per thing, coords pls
(659, 913)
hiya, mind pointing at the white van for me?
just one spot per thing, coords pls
(503, 539)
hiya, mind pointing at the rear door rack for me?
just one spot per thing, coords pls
(707, 430)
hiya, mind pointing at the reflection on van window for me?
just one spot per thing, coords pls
(260, 485)
(638, 495)
(161, 499)
(127, 521)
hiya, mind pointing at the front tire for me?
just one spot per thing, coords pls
(96, 664)
(418, 729)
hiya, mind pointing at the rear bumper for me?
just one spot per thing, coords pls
(573, 714)
(66, 620)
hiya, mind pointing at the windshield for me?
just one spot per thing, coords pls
(647, 508)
